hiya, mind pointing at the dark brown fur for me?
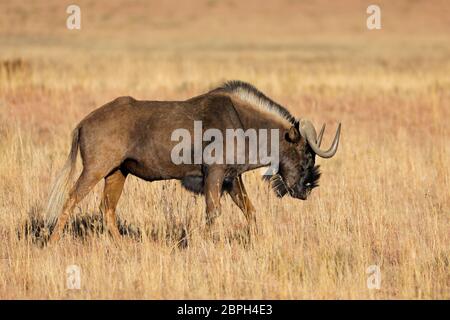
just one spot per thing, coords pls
(127, 136)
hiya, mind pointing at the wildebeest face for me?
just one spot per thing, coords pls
(297, 174)
(309, 179)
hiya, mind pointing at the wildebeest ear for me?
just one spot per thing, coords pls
(293, 135)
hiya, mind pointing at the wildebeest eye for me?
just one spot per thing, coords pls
(312, 180)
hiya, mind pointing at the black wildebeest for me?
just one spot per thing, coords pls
(127, 136)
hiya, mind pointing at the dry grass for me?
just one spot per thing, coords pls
(384, 199)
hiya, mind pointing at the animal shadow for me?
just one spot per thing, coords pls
(80, 226)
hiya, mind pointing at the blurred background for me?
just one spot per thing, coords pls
(227, 23)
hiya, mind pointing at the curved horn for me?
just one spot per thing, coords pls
(308, 132)
(319, 138)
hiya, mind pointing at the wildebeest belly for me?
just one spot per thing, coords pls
(196, 184)
(157, 170)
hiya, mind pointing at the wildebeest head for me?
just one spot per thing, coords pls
(298, 174)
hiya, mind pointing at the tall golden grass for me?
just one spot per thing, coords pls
(383, 200)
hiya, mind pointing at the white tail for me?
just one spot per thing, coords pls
(60, 190)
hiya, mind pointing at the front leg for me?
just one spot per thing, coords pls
(213, 190)
(240, 198)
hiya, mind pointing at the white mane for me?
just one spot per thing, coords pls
(254, 97)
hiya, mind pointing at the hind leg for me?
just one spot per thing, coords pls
(113, 189)
(84, 184)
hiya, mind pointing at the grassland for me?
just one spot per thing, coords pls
(384, 199)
